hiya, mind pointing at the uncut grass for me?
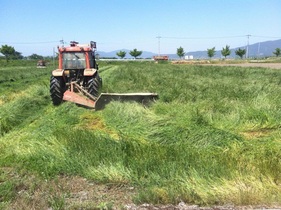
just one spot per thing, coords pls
(188, 146)
(15, 80)
(239, 94)
(24, 109)
(17, 73)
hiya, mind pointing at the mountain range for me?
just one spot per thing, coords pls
(261, 49)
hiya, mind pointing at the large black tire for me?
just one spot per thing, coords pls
(94, 85)
(56, 90)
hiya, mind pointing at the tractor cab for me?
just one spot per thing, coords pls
(77, 56)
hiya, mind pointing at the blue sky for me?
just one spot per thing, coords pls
(36, 26)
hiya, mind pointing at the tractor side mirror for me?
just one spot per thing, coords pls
(93, 45)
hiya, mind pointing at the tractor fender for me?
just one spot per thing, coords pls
(89, 72)
(57, 73)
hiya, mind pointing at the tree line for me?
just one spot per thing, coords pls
(10, 53)
(224, 52)
(134, 53)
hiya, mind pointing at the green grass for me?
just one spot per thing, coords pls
(14, 80)
(212, 138)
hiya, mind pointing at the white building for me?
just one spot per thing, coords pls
(188, 57)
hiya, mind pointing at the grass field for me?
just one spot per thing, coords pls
(212, 138)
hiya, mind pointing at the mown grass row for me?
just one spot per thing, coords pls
(204, 172)
(212, 138)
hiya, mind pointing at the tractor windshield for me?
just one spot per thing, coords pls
(74, 60)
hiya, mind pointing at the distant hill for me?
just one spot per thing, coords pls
(264, 48)
(261, 49)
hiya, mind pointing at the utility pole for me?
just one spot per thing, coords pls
(62, 42)
(158, 37)
(247, 54)
(54, 57)
(259, 49)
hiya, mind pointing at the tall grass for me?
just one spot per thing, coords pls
(24, 109)
(15, 80)
(206, 122)
(212, 137)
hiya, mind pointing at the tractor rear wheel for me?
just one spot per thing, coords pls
(56, 90)
(94, 84)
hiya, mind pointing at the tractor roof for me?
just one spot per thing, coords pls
(76, 47)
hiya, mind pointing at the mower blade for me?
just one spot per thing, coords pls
(143, 98)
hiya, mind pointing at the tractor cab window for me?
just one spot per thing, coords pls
(92, 60)
(74, 60)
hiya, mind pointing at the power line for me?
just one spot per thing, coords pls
(268, 37)
(44, 42)
(220, 37)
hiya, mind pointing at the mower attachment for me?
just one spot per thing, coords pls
(105, 98)
(78, 99)
(143, 98)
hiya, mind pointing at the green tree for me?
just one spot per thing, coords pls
(180, 52)
(240, 52)
(7, 51)
(35, 57)
(121, 54)
(277, 52)
(211, 52)
(17, 55)
(135, 53)
(226, 51)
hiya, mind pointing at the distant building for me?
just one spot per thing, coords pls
(188, 57)
(161, 58)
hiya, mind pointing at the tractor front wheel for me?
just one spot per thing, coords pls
(56, 90)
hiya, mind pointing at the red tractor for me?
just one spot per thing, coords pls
(77, 79)
(77, 72)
